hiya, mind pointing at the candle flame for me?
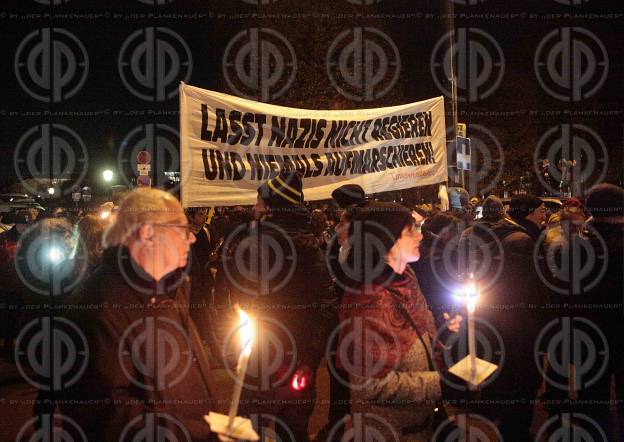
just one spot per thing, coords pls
(469, 295)
(245, 329)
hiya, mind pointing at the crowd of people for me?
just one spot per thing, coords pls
(362, 288)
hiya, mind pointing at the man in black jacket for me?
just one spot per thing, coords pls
(500, 253)
(278, 275)
(147, 373)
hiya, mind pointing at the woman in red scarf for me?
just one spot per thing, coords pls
(387, 328)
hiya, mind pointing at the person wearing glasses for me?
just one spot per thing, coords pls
(146, 370)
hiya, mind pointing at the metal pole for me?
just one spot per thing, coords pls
(454, 80)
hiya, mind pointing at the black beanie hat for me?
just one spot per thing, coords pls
(282, 191)
(605, 202)
(522, 206)
(348, 195)
(385, 221)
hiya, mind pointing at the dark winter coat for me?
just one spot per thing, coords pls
(277, 270)
(146, 370)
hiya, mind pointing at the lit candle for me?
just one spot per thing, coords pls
(469, 295)
(245, 331)
(471, 304)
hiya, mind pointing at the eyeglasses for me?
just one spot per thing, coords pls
(186, 227)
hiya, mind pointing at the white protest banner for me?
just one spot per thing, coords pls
(230, 145)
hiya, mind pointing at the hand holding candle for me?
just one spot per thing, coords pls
(246, 332)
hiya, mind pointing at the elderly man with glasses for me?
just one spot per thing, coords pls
(146, 372)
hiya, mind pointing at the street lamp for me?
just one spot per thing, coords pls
(50, 190)
(107, 175)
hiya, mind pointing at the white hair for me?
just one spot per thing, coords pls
(140, 207)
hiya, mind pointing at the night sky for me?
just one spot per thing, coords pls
(103, 109)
